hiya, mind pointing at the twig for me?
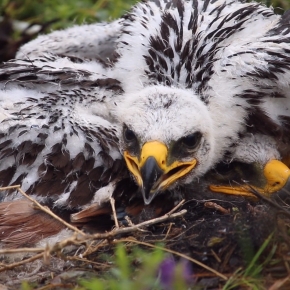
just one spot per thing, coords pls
(227, 257)
(92, 249)
(77, 239)
(73, 240)
(216, 256)
(114, 232)
(74, 258)
(168, 231)
(269, 201)
(21, 250)
(138, 226)
(176, 207)
(130, 223)
(14, 265)
(112, 201)
(210, 204)
(110, 234)
(280, 283)
(10, 187)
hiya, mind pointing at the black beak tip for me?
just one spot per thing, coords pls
(148, 197)
(150, 172)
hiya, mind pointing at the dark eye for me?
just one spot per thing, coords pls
(192, 140)
(129, 135)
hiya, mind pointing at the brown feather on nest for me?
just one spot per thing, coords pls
(21, 224)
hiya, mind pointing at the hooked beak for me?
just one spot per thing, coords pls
(151, 171)
(276, 175)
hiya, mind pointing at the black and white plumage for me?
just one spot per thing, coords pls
(170, 90)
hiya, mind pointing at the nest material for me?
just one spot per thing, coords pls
(217, 236)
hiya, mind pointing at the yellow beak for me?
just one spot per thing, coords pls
(152, 171)
(276, 175)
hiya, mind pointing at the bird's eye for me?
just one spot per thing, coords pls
(129, 135)
(192, 140)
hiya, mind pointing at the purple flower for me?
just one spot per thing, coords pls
(174, 274)
(187, 271)
(166, 270)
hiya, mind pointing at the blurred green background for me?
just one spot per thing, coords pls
(22, 20)
(66, 12)
(69, 12)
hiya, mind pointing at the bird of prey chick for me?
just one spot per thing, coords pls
(161, 96)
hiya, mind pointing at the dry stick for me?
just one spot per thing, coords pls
(133, 228)
(115, 232)
(84, 260)
(112, 201)
(269, 201)
(105, 235)
(88, 249)
(278, 284)
(74, 239)
(119, 231)
(9, 187)
(168, 231)
(49, 212)
(176, 207)
(215, 256)
(227, 257)
(92, 249)
(100, 236)
(210, 204)
(138, 226)
(21, 250)
(14, 265)
(175, 253)
(130, 223)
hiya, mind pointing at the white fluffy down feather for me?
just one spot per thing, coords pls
(209, 80)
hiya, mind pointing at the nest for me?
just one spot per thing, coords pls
(219, 237)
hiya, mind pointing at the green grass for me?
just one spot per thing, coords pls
(66, 13)
(140, 269)
(137, 268)
(124, 275)
(251, 276)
